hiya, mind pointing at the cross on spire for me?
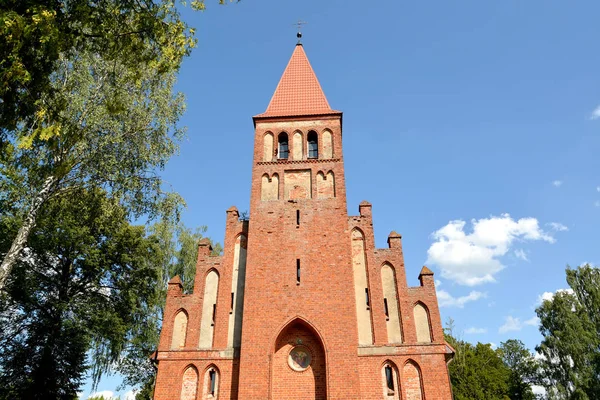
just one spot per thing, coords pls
(299, 26)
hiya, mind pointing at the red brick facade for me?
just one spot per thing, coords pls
(301, 305)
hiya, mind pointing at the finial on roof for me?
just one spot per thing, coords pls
(299, 34)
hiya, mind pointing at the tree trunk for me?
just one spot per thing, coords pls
(20, 240)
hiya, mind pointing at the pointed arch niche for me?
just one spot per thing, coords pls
(413, 385)
(189, 384)
(297, 144)
(238, 278)
(361, 288)
(179, 330)
(268, 146)
(390, 303)
(327, 144)
(390, 381)
(209, 308)
(422, 324)
(298, 357)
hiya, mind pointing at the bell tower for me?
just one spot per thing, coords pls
(298, 248)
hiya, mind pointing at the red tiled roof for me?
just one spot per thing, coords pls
(298, 92)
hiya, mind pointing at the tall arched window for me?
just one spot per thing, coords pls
(211, 384)
(313, 145)
(283, 149)
(389, 375)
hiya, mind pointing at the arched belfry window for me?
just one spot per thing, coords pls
(313, 145)
(283, 149)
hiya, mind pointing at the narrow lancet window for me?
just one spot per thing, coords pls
(389, 377)
(213, 380)
(298, 217)
(367, 298)
(298, 271)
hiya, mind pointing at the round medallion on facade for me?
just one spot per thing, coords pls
(299, 358)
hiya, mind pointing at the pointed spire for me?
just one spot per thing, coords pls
(298, 92)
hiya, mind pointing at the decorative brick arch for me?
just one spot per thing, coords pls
(391, 305)
(298, 361)
(209, 305)
(189, 383)
(412, 381)
(180, 321)
(327, 143)
(361, 287)
(422, 322)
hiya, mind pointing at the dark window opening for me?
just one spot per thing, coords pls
(385, 309)
(212, 375)
(231, 308)
(214, 313)
(297, 271)
(389, 377)
(297, 217)
(367, 297)
(313, 145)
(283, 147)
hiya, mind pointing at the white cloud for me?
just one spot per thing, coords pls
(475, 331)
(511, 324)
(534, 321)
(514, 324)
(520, 253)
(105, 394)
(493, 345)
(438, 283)
(595, 113)
(557, 183)
(445, 299)
(550, 295)
(473, 258)
(558, 227)
(597, 203)
(597, 188)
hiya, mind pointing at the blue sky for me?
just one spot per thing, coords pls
(458, 115)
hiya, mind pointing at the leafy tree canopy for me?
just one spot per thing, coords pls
(82, 282)
(570, 350)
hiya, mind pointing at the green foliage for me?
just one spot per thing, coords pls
(570, 325)
(35, 33)
(177, 254)
(523, 369)
(82, 283)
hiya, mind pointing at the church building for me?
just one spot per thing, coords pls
(301, 304)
